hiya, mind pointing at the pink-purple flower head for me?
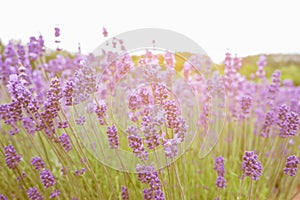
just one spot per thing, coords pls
(221, 182)
(3, 197)
(47, 178)
(288, 121)
(125, 194)
(56, 32)
(11, 157)
(291, 165)
(219, 166)
(65, 141)
(34, 194)
(251, 166)
(112, 135)
(37, 163)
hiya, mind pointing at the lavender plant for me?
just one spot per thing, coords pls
(126, 126)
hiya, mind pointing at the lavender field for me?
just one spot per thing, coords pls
(153, 125)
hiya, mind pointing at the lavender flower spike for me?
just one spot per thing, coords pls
(291, 165)
(47, 178)
(11, 157)
(251, 166)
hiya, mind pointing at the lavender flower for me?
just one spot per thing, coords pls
(219, 166)
(171, 147)
(159, 195)
(291, 165)
(245, 105)
(221, 182)
(101, 113)
(3, 197)
(147, 194)
(11, 157)
(136, 144)
(260, 73)
(47, 178)
(65, 141)
(68, 93)
(148, 175)
(113, 138)
(37, 163)
(269, 121)
(290, 126)
(171, 110)
(251, 166)
(54, 194)
(125, 194)
(57, 32)
(34, 194)
(63, 124)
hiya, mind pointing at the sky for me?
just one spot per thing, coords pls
(238, 26)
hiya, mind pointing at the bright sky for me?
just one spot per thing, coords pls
(243, 27)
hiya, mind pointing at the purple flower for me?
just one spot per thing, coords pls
(219, 166)
(269, 121)
(37, 163)
(290, 126)
(160, 93)
(68, 93)
(135, 102)
(171, 147)
(274, 87)
(47, 178)
(251, 166)
(35, 47)
(57, 32)
(136, 144)
(148, 175)
(245, 106)
(125, 194)
(291, 165)
(11, 157)
(34, 194)
(65, 141)
(101, 113)
(113, 138)
(63, 124)
(85, 83)
(148, 194)
(172, 112)
(80, 121)
(54, 194)
(221, 182)
(3, 197)
(159, 195)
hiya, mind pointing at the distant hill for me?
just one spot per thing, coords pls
(288, 64)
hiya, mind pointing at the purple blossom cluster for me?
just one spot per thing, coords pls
(37, 163)
(251, 166)
(112, 135)
(65, 142)
(3, 197)
(47, 178)
(148, 175)
(11, 157)
(136, 143)
(125, 194)
(54, 194)
(101, 113)
(219, 167)
(34, 194)
(288, 121)
(291, 165)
